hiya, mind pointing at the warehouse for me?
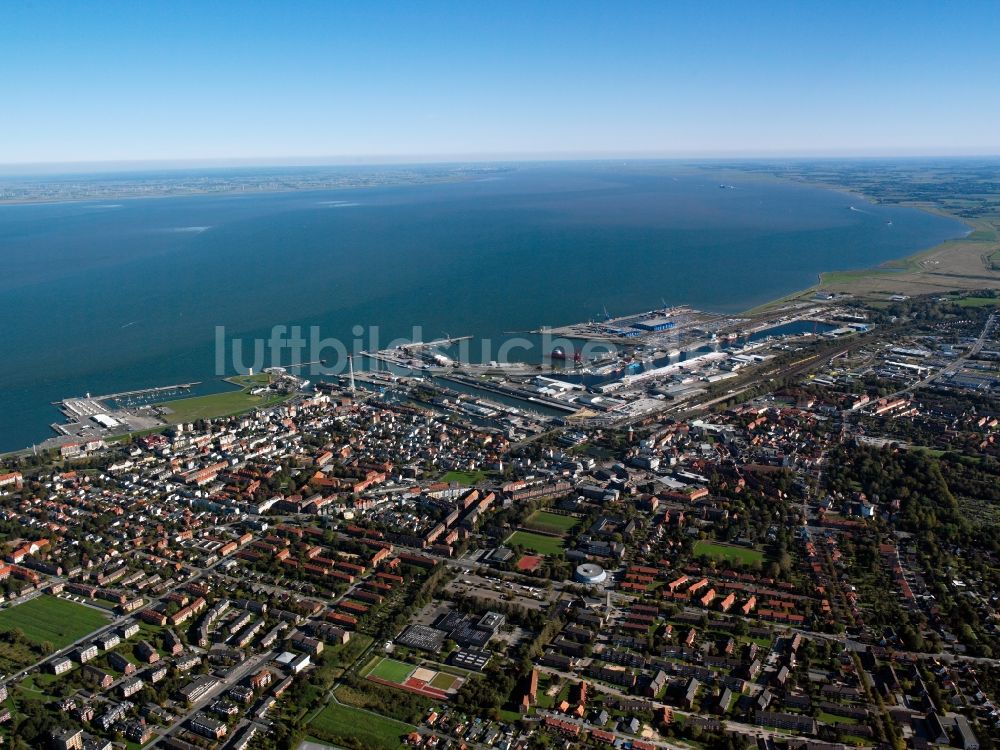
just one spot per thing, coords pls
(654, 324)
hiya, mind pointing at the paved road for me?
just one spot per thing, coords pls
(619, 735)
(736, 726)
(231, 679)
(954, 366)
(115, 623)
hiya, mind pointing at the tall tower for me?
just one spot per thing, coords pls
(350, 365)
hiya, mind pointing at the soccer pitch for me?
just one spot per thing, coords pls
(391, 670)
(555, 523)
(48, 618)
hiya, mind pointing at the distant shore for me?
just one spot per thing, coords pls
(62, 189)
(957, 258)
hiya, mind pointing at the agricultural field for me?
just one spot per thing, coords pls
(554, 523)
(545, 545)
(53, 620)
(728, 552)
(339, 722)
(978, 302)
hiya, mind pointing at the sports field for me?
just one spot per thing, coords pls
(546, 545)
(392, 670)
(443, 681)
(554, 523)
(48, 618)
(421, 680)
(730, 553)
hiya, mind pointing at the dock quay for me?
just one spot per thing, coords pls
(437, 342)
(512, 392)
(126, 394)
(96, 417)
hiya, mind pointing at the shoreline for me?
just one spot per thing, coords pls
(889, 267)
(215, 193)
(884, 270)
(230, 192)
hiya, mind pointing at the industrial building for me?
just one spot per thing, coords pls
(654, 324)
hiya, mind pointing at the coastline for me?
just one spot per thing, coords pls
(848, 281)
(859, 282)
(887, 270)
(238, 189)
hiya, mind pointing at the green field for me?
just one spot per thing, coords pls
(443, 681)
(216, 405)
(727, 552)
(554, 523)
(467, 478)
(337, 722)
(831, 719)
(978, 302)
(48, 618)
(982, 235)
(392, 670)
(247, 381)
(545, 545)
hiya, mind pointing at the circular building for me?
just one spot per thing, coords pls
(590, 573)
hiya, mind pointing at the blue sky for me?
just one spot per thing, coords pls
(271, 81)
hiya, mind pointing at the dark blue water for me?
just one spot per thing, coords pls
(105, 296)
(795, 328)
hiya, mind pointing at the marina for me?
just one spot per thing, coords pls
(96, 417)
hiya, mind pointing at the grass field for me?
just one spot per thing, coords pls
(467, 478)
(545, 545)
(555, 523)
(392, 670)
(443, 681)
(978, 302)
(47, 618)
(831, 719)
(729, 553)
(216, 405)
(982, 235)
(370, 730)
(247, 381)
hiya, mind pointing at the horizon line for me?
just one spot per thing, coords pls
(125, 165)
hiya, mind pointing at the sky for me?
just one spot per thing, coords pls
(366, 80)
